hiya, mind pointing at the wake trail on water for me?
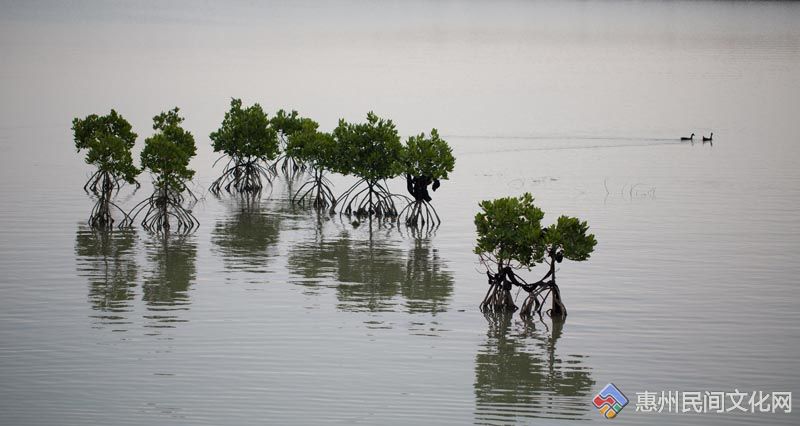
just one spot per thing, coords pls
(583, 142)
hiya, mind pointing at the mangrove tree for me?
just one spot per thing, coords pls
(166, 156)
(107, 140)
(426, 161)
(510, 237)
(372, 152)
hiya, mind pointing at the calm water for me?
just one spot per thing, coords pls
(274, 315)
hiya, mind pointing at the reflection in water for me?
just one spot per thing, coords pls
(369, 275)
(172, 271)
(317, 259)
(426, 285)
(245, 237)
(108, 261)
(518, 374)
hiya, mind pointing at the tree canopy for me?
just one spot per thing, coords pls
(246, 133)
(509, 230)
(371, 150)
(316, 148)
(288, 124)
(167, 153)
(108, 140)
(569, 237)
(428, 156)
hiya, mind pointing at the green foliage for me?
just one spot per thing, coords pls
(431, 157)
(316, 148)
(509, 230)
(167, 153)
(569, 234)
(108, 140)
(246, 133)
(287, 124)
(370, 150)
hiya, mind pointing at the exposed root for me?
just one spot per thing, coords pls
(164, 209)
(498, 297)
(420, 213)
(100, 182)
(103, 185)
(367, 199)
(317, 190)
(538, 293)
(243, 176)
(290, 167)
(537, 297)
(101, 217)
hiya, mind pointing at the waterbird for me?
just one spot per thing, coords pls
(709, 138)
(690, 138)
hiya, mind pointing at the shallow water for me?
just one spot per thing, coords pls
(272, 314)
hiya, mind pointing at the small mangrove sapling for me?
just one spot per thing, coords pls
(108, 140)
(372, 152)
(166, 156)
(509, 234)
(319, 152)
(249, 143)
(426, 160)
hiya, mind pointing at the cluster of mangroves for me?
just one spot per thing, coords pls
(256, 149)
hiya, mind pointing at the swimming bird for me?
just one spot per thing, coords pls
(709, 138)
(690, 138)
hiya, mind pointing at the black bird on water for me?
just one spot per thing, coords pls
(690, 138)
(709, 138)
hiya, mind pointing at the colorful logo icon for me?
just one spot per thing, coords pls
(610, 401)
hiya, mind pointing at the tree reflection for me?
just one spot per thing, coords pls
(370, 274)
(317, 259)
(518, 374)
(108, 261)
(172, 270)
(427, 285)
(246, 237)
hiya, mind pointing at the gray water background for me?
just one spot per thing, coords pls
(276, 317)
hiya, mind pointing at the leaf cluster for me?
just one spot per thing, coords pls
(509, 230)
(371, 150)
(428, 156)
(287, 124)
(317, 148)
(108, 140)
(167, 153)
(246, 133)
(569, 234)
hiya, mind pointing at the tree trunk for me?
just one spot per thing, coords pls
(558, 309)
